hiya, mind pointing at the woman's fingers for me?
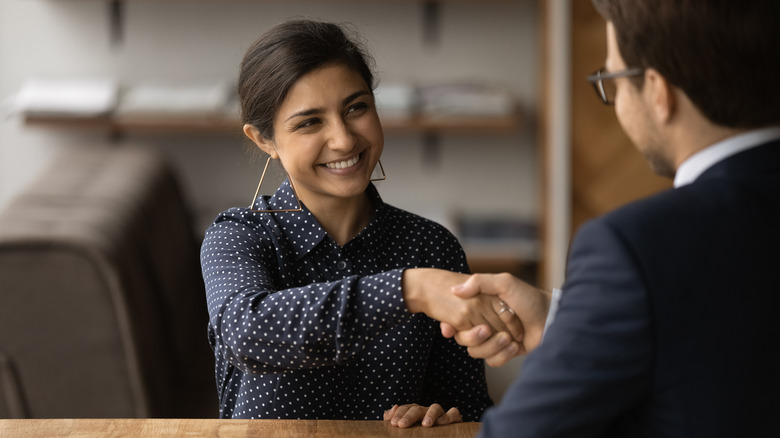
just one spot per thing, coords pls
(474, 336)
(452, 416)
(408, 415)
(389, 413)
(433, 415)
(447, 330)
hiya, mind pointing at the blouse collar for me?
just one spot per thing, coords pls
(303, 230)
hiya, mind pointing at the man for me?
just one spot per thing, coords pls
(666, 324)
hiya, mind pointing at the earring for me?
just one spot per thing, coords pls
(257, 192)
(382, 169)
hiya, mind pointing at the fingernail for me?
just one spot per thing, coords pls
(513, 348)
(482, 332)
(427, 422)
(457, 288)
(503, 341)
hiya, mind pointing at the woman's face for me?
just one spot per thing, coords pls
(327, 134)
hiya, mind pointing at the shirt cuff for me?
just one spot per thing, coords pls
(556, 297)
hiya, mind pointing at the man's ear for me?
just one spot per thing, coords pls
(661, 95)
(264, 144)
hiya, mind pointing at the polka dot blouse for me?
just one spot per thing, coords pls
(304, 328)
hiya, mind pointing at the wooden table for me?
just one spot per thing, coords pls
(88, 428)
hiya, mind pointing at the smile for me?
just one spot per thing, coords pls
(343, 164)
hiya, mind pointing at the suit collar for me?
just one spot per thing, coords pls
(762, 159)
(698, 164)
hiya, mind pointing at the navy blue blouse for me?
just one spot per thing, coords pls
(304, 328)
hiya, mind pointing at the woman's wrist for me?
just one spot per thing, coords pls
(412, 280)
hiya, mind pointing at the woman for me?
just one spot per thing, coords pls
(313, 312)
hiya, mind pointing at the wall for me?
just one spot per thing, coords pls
(196, 41)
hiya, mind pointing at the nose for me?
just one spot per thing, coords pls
(341, 137)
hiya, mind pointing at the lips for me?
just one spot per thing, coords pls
(343, 164)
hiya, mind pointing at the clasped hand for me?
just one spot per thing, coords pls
(431, 291)
(528, 304)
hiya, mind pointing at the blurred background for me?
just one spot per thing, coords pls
(490, 127)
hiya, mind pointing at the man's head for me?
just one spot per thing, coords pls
(717, 58)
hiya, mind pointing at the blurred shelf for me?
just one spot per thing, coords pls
(179, 125)
(154, 125)
(517, 266)
(279, 1)
(456, 123)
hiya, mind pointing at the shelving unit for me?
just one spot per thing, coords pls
(227, 125)
(431, 16)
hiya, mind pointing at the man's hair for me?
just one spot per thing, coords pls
(724, 54)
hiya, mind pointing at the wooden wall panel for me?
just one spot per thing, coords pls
(607, 170)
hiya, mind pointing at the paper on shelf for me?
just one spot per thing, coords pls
(79, 97)
(395, 100)
(175, 100)
(465, 99)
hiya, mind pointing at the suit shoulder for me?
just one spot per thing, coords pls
(681, 203)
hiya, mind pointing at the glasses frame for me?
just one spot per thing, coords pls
(599, 76)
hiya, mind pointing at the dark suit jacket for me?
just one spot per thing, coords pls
(669, 321)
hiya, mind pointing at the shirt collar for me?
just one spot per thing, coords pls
(302, 229)
(699, 162)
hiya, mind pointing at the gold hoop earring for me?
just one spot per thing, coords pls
(382, 169)
(257, 192)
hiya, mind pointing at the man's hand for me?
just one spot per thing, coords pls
(527, 303)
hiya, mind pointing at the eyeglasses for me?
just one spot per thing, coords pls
(604, 84)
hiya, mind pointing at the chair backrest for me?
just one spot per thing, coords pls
(102, 309)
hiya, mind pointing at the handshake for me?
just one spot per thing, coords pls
(497, 316)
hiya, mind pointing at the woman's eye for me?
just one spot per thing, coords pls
(307, 123)
(359, 106)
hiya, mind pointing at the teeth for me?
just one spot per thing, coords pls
(343, 164)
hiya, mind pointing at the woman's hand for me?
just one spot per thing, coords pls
(429, 291)
(409, 415)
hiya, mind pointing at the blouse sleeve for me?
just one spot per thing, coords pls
(260, 329)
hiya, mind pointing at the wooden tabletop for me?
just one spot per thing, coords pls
(87, 428)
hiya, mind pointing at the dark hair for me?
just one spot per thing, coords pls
(722, 53)
(276, 60)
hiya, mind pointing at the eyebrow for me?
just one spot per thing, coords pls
(346, 100)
